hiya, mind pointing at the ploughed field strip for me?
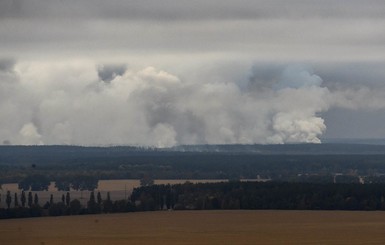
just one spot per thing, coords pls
(200, 227)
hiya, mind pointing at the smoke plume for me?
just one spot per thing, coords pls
(87, 104)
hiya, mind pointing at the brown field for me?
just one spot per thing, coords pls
(200, 227)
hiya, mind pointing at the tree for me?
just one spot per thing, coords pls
(107, 204)
(8, 199)
(68, 199)
(63, 183)
(16, 201)
(99, 198)
(23, 199)
(30, 199)
(36, 200)
(51, 200)
(75, 207)
(35, 182)
(47, 205)
(92, 206)
(57, 209)
(92, 197)
(84, 182)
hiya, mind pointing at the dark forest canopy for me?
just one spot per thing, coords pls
(293, 162)
(66, 154)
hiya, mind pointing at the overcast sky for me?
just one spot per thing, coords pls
(168, 72)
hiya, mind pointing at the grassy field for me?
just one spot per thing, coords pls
(200, 227)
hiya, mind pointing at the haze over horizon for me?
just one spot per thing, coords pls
(165, 73)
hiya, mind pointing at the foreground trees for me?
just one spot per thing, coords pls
(67, 207)
(23, 199)
(8, 199)
(254, 195)
(224, 195)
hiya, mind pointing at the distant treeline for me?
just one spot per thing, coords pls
(224, 195)
(61, 154)
(189, 165)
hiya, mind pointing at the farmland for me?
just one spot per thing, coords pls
(200, 227)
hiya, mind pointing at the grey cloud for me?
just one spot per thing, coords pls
(334, 75)
(281, 76)
(352, 74)
(265, 75)
(7, 75)
(191, 10)
(356, 124)
(7, 65)
(11, 8)
(275, 30)
(108, 72)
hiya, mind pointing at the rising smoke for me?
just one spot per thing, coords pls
(86, 104)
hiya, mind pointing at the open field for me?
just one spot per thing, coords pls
(200, 227)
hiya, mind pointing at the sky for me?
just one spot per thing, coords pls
(171, 72)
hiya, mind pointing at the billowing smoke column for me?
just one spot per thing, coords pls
(300, 97)
(85, 104)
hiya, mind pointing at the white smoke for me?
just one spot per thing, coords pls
(29, 135)
(78, 103)
(299, 98)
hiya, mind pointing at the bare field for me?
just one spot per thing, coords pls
(200, 227)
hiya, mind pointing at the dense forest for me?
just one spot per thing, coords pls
(81, 167)
(257, 195)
